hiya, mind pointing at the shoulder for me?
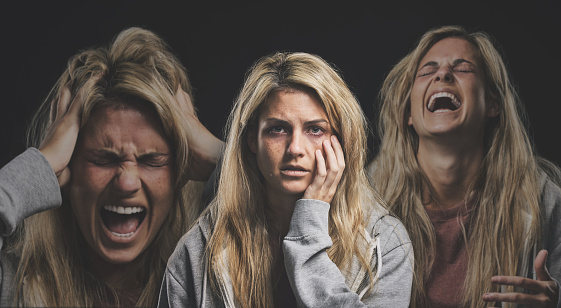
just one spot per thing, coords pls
(388, 229)
(194, 241)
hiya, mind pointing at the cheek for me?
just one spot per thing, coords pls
(159, 183)
(87, 183)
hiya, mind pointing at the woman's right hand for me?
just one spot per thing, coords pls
(59, 143)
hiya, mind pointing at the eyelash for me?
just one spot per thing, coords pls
(455, 70)
(106, 163)
(320, 130)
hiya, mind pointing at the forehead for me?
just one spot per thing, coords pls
(121, 123)
(451, 48)
(293, 103)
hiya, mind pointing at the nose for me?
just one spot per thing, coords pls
(295, 146)
(127, 179)
(444, 74)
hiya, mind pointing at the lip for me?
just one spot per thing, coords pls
(123, 208)
(456, 100)
(294, 171)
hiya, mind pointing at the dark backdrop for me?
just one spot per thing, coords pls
(217, 42)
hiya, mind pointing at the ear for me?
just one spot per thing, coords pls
(492, 108)
(252, 140)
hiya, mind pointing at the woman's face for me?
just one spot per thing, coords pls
(448, 95)
(121, 181)
(291, 127)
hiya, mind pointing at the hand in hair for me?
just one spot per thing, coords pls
(205, 148)
(544, 292)
(328, 172)
(59, 143)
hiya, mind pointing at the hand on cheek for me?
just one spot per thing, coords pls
(329, 171)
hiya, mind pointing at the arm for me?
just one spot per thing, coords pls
(317, 282)
(544, 290)
(184, 283)
(174, 292)
(28, 185)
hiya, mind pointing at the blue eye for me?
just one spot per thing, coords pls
(316, 130)
(276, 130)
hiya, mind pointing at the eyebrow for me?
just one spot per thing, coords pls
(114, 154)
(454, 64)
(305, 123)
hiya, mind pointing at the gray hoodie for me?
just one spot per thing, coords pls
(316, 281)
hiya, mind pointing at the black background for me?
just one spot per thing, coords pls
(218, 41)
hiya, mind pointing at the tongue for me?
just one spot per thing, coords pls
(120, 223)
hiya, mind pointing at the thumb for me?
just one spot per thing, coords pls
(540, 266)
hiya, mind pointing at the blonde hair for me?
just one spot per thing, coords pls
(495, 238)
(53, 269)
(241, 229)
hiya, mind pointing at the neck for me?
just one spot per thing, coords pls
(118, 276)
(279, 209)
(450, 169)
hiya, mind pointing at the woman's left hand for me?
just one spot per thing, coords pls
(328, 171)
(205, 148)
(544, 292)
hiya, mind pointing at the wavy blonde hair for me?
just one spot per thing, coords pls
(495, 238)
(241, 229)
(53, 268)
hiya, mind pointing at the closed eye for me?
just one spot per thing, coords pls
(154, 159)
(425, 71)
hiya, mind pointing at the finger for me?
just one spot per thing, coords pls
(78, 101)
(184, 101)
(515, 297)
(61, 105)
(332, 163)
(314, 190)
(540, 266)
(338, 152)
(521, 282)
(335, 170)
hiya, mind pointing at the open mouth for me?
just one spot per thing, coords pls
(122, 221)
(443, 102)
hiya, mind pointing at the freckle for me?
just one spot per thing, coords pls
(270, 174)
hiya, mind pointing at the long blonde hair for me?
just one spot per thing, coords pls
(506, 188)
(53, 268)
(241, 229)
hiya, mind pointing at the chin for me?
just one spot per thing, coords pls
(120, 256)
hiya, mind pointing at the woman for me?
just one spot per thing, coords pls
(457, 166)
(294, 220)
(118, 131)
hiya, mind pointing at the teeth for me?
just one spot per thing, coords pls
(122, 209)
(122, 235)
(452, 97)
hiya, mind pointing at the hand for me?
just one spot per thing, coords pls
(59, 143)
(327, 178)
(544, 292)
(205, 148)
